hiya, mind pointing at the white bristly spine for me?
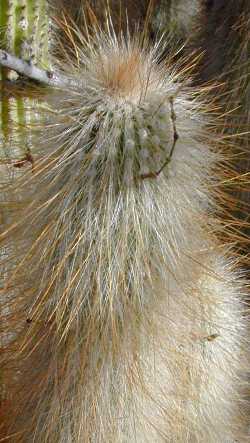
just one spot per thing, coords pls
(127, 311)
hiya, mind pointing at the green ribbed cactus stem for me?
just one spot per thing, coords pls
(24, 33)
(24, 29)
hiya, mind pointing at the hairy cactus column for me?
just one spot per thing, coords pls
(123, 312)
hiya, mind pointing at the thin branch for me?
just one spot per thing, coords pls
(26, 68)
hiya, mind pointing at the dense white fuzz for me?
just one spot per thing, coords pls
(127, 322)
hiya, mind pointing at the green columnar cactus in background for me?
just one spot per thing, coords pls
(24, 29)
(24, 33)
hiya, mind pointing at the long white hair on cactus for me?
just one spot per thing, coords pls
(122, 316)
